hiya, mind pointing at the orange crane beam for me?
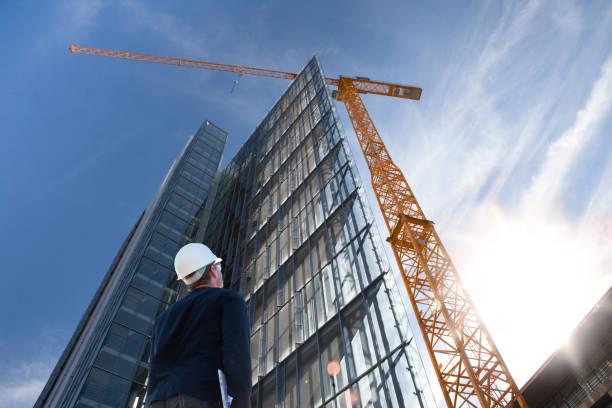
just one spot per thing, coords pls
(362, 85)
(467, 364)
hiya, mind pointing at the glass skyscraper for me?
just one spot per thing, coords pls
(289, 217)
(292, 225)
(105, 363)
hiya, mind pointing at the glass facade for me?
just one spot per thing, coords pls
(105, 365)
(290, 221)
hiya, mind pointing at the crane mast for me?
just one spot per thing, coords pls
(467, 364)
(469, 367)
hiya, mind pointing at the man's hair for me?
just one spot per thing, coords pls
(202, 281)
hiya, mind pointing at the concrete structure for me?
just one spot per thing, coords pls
(579, 374)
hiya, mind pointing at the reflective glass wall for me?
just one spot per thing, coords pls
(112, 368)
(291, 222)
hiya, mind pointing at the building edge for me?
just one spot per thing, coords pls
(64, 384)
(63, 359)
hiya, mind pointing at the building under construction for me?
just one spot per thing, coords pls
(289, 217)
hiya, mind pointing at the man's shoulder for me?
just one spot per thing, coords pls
(169, 310)
(231, 294)
(175, 307)
(216, 295)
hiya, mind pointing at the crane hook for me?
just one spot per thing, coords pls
(235, 83)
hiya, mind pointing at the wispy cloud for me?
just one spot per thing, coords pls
(181, 35)
(82, 13)
(467, 128)
(25, 366)
(20, 385)
(552, 268)
(561, 155)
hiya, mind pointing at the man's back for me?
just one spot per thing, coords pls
(206, 331)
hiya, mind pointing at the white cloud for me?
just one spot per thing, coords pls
(82, 13)
(561, 155)
(568, 16)
(171, 29)
(21, 385)
(598, 208)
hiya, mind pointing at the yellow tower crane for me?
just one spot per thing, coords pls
(468, 365)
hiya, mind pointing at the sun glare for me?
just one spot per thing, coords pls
(532, 282)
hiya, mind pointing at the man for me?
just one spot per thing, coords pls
(205, 331)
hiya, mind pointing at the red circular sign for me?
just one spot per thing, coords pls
(333, 368)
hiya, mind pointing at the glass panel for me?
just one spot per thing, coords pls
(368, 259)
(320, 253)
(125, 353)
(295, 234)
(270, 344)
(329, 297)
(390, 383)
(338, 232)
(260, 269)
(198, 161)
(302, 267)
(357, 337)
(310, 381)
(286, 284)
(162, 250)
(273, 256)
(346, 271)
(302, 227)
(255, 348)
(388, 316)
(285, 337)
(401, 375)
(271, 289)
(368, 393)
(290, 400)
(317, 210)
(357, 217)
(268, 397)
(194, 174)
(310, 323)
(181, 207)
(156, 280)
(335, 374)
(173, 227)
(285, 247)
(319, 298)
(190, 190)
(104, 390)
(138, 310)
(257, 311)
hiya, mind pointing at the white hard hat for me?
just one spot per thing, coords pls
(192, 257)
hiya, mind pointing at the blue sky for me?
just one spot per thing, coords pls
(509, 151)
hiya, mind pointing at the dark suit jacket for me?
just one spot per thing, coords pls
(205, 331)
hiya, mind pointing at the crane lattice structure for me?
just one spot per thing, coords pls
(467, 364)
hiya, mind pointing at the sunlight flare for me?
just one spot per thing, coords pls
(541, 271)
